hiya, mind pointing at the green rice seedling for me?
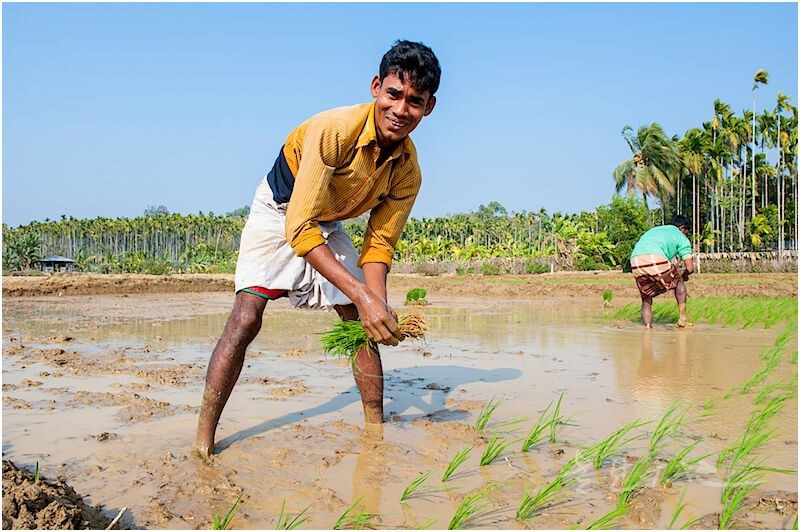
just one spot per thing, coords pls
(470, 505)
(793, 359)
(612, 445)
(678, 510)
(532, 504)
(415, 486)
(460, 457)
(740, 484)
(607, 297)
(508, 423)
(493, 449)
(669, 424)
(356, 521)
(486, 413)
(558, 421)
(766, 393)
(634, 480)
(612, 519)
(416, 296)
(36, 474)
(223, 523)
(286, 522)
(748, 442)
(427, 524)
(680, 466)
(346, 338)
(769, 365)
(537, 431)
(794, 525)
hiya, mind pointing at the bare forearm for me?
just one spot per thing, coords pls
(323, 260)
(375, 278)
(689, 263)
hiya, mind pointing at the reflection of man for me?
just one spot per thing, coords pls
(653, 271)
(336, 165)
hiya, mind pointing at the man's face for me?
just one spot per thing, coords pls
(399, 107)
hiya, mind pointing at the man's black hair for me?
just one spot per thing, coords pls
(680, 220)
(415, 61)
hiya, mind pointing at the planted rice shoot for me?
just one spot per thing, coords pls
(223, 523)
(613, 445)
(747, 311)
(680, 467)
(612, 519)
(36, 474)
(286, 522)
(486, 413)
(532, 504)
(634, 480)
(558, 421)
(669, 424)
(457, 460)
(346, 338)
(470, 505)
(740, 484)
(679, 510)
(537, 431)
(416, 296)
(494, 448)
(360, 520)
(415, 486)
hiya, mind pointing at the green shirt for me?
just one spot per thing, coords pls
(665, 240)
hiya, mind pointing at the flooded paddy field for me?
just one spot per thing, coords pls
(104, 390)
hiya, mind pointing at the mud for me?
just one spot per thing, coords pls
(46, 504)
(103, 391)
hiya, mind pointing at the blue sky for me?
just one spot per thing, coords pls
(109, 108)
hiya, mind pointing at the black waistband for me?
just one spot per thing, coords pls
(281, 180)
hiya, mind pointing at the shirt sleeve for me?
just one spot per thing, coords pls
(310, 196)
(387, 219)
(684, 248)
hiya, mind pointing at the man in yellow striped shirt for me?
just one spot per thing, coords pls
(334, 166)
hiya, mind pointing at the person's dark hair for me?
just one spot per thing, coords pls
(415, 61)
(680, 220)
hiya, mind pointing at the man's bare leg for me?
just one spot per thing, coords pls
(647, 311)
(226, 365)
(680, 297)
(368, 373)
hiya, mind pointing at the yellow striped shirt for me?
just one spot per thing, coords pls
(333, 157)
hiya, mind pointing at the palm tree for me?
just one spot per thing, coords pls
(761, 77)
(652, 169)
(692, 148)
(781, 104)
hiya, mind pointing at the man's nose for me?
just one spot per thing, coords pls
(401, 108)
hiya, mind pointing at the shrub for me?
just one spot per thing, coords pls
(491, 268)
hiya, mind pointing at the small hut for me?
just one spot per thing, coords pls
(55, 263)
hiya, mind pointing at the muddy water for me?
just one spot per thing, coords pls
(104, 390)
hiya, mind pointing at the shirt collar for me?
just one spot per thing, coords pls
(369, 135)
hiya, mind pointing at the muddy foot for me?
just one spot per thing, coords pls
(684, 324)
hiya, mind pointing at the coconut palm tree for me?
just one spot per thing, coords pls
(761, 77)
(653, 167)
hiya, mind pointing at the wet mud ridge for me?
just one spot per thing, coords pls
(44, 505)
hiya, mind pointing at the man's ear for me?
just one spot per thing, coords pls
(375, 87)
(429, 107)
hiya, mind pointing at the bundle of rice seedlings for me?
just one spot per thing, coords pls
(346, 338)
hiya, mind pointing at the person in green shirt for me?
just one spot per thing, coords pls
(653, 270)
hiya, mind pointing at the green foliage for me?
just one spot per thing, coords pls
(223, 523)
(360, 520)
(624, 220)
(416, 293)
(669, 424)
(558, 421)
(536, 433)
(459, 458)
(415, 486)
(634, 481)
(614, 443)
(469, 506)
(492, 268)
(532, 504)
(745, 311)
(679, 467)
(611, 520)
(486, 413)
(36, 474)
(286, 522)
(494, 448)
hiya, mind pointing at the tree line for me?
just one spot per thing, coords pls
(735, 176)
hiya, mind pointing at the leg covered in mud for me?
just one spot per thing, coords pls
(226, 365)
(368, 373)
(681, 296)
(647, 311)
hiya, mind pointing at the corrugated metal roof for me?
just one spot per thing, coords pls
(54, 258)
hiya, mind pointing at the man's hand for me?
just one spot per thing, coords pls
(378, 318)
(685, 275)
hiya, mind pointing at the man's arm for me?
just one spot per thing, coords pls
(688, 268)
(378, 319)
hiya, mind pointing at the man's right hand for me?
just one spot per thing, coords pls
(377, 318)
(685, 275)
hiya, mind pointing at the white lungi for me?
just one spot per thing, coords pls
(267, 260)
